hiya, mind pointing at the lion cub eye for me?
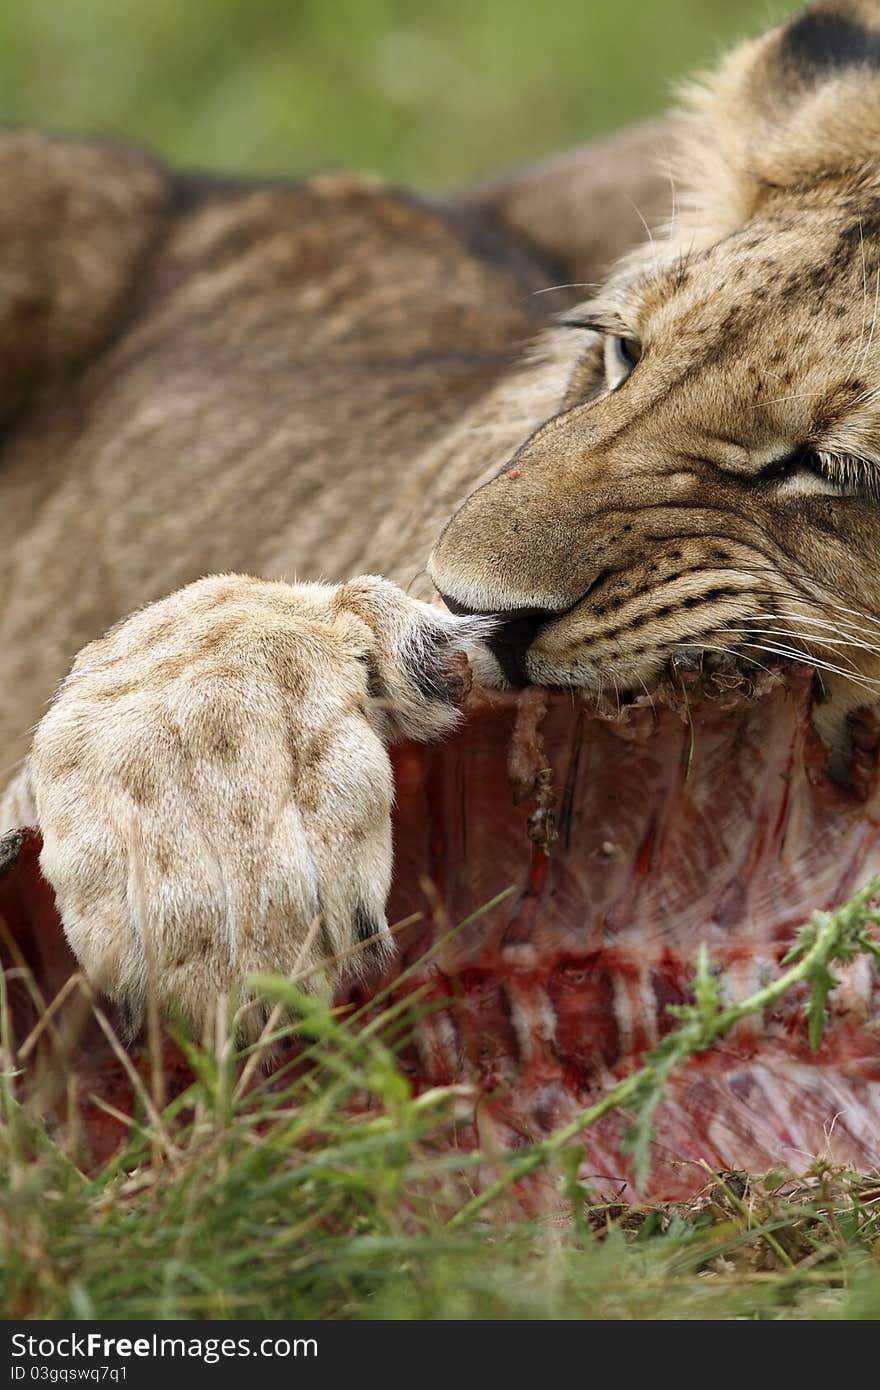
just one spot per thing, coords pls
(621, 357)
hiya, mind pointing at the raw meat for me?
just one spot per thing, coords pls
(628, 835)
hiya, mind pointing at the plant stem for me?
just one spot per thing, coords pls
(829, 936)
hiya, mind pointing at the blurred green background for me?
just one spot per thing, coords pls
(420, 92)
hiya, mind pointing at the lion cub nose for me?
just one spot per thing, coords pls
(510, 640)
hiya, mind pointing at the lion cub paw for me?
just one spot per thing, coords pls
(213, 786)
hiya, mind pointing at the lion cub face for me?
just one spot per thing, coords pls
(712, 480)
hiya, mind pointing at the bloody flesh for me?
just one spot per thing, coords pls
(623, 853)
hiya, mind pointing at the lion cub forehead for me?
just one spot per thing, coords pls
(810, 261)
(786, 308)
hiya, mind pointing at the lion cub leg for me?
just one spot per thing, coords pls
(213, 786)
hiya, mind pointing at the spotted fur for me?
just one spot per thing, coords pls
(213, 784)
(724, 495)
(687, 467)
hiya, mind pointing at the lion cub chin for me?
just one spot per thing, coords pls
(214, 790)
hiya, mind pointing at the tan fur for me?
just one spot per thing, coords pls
(279, 379)
(317, 378)
(638, 516)
(212, 781)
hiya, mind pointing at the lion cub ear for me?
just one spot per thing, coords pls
(788, 110)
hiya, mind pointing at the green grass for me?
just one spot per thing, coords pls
(335, 1193)
(424, 93)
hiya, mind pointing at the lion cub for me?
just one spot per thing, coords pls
(214, 789)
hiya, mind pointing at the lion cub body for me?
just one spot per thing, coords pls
(321, 380)
(293, 379)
